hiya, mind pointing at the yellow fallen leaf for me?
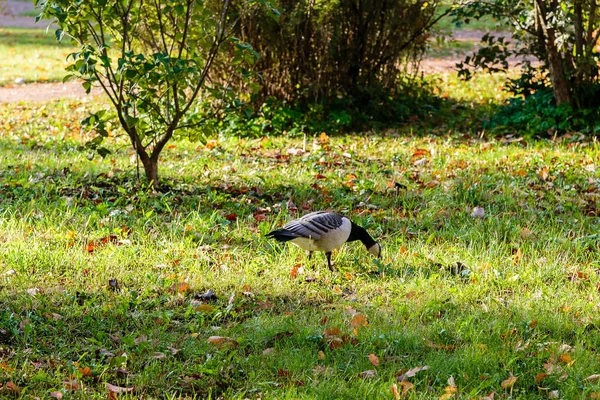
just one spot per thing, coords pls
(406, 386)
(508, 382)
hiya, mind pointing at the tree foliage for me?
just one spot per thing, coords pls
(562, 35)
(321, 49)
(152, 58)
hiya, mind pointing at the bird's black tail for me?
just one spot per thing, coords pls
(282, 235)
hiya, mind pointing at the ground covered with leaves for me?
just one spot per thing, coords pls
(488, 287)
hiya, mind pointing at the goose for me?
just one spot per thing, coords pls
(324, 231)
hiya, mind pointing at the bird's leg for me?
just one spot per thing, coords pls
(328, 254)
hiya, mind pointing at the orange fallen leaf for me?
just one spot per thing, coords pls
(85, 371)
(540, 377)
(395, 391)
(12, 387)
(374, 360)
(323, 138)
(295, 271)
(358, 321)
(565, 358)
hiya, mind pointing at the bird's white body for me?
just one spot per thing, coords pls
(333, 239)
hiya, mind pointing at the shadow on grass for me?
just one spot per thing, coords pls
(15, 37)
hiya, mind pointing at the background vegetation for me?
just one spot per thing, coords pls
(486, 203)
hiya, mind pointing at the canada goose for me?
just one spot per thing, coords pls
(324, 231)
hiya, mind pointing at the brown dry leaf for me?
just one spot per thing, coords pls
(86, 371)
(411, 372)
(520, 172)
(260, 217)
(159, 355)
(12, 387)
(594, 395)
(231, 217)
(359, 321)
(540, 377)
(489, 396)
(395, 391)
(565, 358)
(592, 378)
(71, 384)
(118, 389)
(56, 395)
(321, 355)
(543, 173)
(222, 341)
(406, 386)
(368, 374)
(374, 360)
(508, 382)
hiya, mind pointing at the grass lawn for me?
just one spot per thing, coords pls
(101, 281)
(32, 54)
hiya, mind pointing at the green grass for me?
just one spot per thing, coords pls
(32, 54)
(522, 301)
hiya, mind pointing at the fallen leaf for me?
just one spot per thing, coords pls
(368, 374)
(260, 217)
(411, 373)
(118, 389)
(297, 269)
(159, 355)
(508, 382)
(56, 394)
(374, 360)
(140, 339)
(359, 320)
(204, 308)
(222, 341)
(323, 138)
(71, 384)
(565, 358)
(12, 387)
(440, 346)
(321, 355)
(86, 371)
(553, 394)
(540, 377)
(268, 351)
(406, 386)
(395, 391)
(592, 378)
(231, 217)
(283, 372)
(207, 296)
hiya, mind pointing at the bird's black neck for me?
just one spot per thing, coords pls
(360, 233)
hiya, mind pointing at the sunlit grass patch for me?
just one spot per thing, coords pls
(488, 281)
(31, 54)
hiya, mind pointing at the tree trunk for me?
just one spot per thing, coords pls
(560, 85)
(151, 169)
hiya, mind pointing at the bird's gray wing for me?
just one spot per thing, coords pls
(315, 224)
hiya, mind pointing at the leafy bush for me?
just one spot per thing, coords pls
(538, 114)
(368, 109)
